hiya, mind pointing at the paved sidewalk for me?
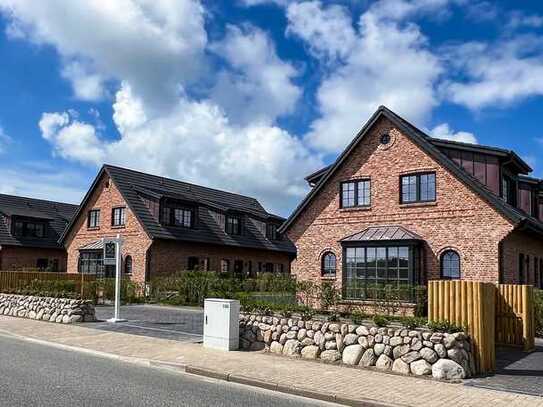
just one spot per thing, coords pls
(341, 384)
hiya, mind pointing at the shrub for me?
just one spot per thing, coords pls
(445, 326)
(333, 317)
(413, 322)
(329, 295)
(358, 317)
(47, 288)
(380, 320)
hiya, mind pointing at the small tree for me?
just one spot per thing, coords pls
(329, 295)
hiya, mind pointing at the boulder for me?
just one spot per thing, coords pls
(350, 339)
(379, 348)
(399, 351)
(399, 366)
(395, 341)
(428, 355)
(440, 350)
(330, 355)
(292, 348)
(384, 362)
(368, 358)
(310, 352)
(460, 356)
(411, 356)
(362, 340)
(276, 347)
(421, 368)
(362, 330)
(352, 354)
(447, 369)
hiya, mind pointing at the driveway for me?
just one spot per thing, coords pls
(516, 371)
(176, 323)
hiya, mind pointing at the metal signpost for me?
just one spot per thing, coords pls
(112, 256)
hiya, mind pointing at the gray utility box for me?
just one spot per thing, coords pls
(221, 324)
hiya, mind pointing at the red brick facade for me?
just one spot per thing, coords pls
(153, 257)
(459, 218)
(13, 258)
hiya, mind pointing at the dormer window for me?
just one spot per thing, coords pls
(29, 229)
(233, 225)
(182, 217)
(178, 216)
(271, 231)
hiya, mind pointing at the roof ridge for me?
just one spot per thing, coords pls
(180, 181)
(38, 199)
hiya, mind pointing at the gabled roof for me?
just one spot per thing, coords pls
(134, 185)
(425, 143)
(56, 215)
(382, 233)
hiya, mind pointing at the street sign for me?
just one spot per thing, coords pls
(110, 252)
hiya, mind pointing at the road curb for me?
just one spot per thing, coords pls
(212, 374)
(295, 391)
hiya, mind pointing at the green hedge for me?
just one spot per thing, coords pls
(192, 287)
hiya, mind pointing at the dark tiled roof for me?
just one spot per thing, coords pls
(134, 184)
(425, 142)
(382, 233)
(57, 215)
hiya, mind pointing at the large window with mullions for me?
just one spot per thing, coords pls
(368, 270)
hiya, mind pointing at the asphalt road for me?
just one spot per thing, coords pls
(39, 375)
(179, 323)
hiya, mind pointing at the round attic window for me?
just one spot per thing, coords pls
(385, 139)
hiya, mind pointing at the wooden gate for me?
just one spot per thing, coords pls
(493, 315)
(515, 318)
(469, 304)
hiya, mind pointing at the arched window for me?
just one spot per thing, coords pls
(328, 264)
(450, 265)
(128, 265)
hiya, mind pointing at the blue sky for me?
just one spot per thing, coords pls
(252, 95)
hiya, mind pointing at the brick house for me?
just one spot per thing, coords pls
(169, 226)
(400, 207)
(29, 233)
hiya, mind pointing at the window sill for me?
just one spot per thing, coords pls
(118, 227)
(418, 204)
(356, 208)
(329, 278)
(93, 228)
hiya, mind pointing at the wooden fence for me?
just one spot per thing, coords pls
(470, 304)
(12, 280)
(515, 318)
(492, 314)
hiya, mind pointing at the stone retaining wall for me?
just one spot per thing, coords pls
(61, 310)
(415, 352)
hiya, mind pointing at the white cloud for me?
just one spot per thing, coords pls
(519, 19)
(496, 74)
(250, 3)
(390, 64)
(443, 131)
(4, 140)
(43, 183)
(196, 142)
(156, 46)
(329, 31)
(258, 87)
(86, 85)
(71, 138)
(402, 9)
